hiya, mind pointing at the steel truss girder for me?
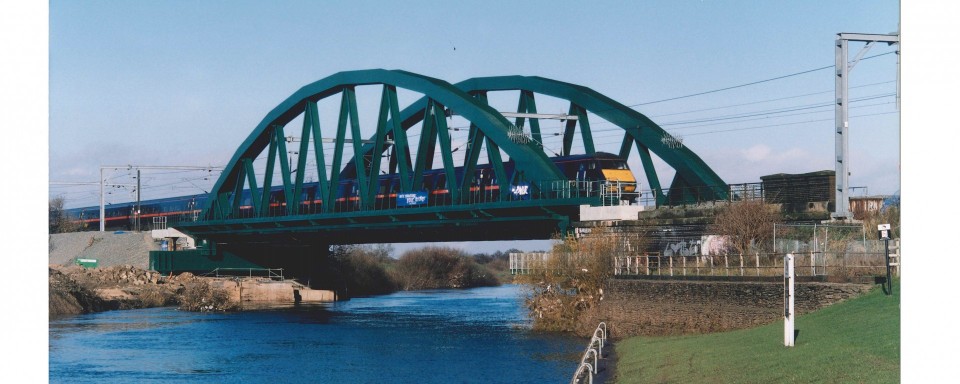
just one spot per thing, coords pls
(268, 135)
(692, 173)
(638, 128)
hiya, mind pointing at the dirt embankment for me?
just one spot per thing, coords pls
(75, 290)
(121, 280)
(108, 248)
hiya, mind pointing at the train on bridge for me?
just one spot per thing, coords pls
(600, 167)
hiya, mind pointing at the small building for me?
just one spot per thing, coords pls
(798, 193)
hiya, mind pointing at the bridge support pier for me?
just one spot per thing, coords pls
(309, 263)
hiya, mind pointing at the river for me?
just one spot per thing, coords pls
(440, 336)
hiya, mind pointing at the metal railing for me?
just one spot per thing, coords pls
(595, 349)
(819, 264)
(524, 263)
(270, 273)
(159, 223)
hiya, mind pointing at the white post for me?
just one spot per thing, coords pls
(788, 314)
(741, 263)
(757, 258)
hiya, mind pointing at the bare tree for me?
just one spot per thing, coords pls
(59, 221)
(747, 224)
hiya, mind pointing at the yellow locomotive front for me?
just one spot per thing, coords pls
(618, 178)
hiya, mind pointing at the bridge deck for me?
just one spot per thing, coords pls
(534, 219)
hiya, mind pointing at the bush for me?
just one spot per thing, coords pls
(201, 297)
(441, 267)
(747, 224)
(363, 270)
(59, 221)
(569, 284)
(153, 296)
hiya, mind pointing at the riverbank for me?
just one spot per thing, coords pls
(355, 270)
(74, 290)
(857, 340)
(121, 280)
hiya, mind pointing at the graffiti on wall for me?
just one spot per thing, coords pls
(704, 246)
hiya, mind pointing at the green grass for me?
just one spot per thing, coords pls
(856, 341)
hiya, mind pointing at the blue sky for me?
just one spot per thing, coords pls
(184, 82)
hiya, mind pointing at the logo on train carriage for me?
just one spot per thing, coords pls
(411, 199)
(520, 191)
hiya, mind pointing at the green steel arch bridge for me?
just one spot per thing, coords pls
(263, 199)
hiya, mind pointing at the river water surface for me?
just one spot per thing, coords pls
(441, 336)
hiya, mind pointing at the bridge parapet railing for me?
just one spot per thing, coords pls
(600, 192)
(697, 195)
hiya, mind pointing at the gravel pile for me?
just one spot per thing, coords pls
(108, 248)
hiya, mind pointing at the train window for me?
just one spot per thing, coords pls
(614, 164)
(593, 165)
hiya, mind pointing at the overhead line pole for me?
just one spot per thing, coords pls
(103, 222)
(843, 67)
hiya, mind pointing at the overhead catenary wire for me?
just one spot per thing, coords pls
(771, 112)
(752, 83)
(763, 101)
(549, 138)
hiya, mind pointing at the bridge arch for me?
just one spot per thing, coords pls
(694, 180)
(439, 97)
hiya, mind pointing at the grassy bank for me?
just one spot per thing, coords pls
(857, 341)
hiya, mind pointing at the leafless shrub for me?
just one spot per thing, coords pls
(570, 282)
(201, 297)
(363, 270)
(747, 225)
(60, 222)
(890, 215)
(440, 267)
(151, 296)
